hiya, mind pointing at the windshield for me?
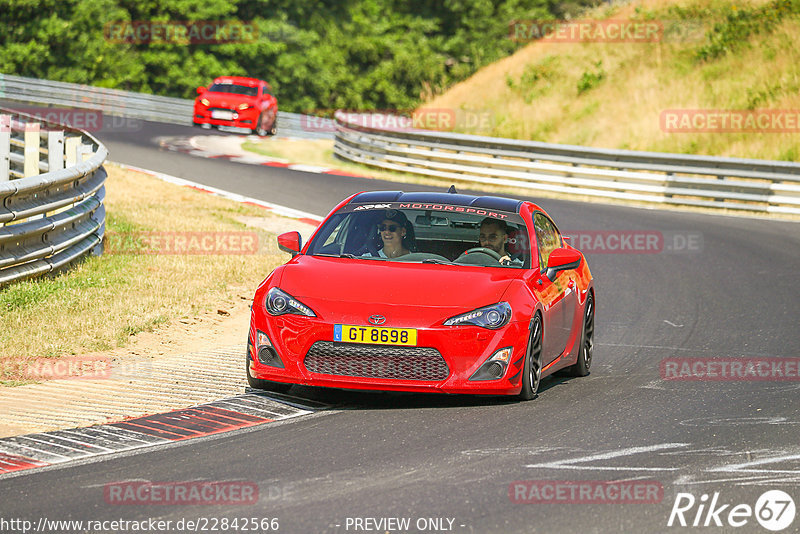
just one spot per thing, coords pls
(425, 233)
(233, 89)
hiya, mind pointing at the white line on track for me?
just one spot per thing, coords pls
(569, 464)
(277, 208)
(746, 467)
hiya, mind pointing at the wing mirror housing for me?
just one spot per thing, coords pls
(201, 90)
(290, 242)
(562, 259)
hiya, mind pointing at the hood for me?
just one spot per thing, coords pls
(346, 284)
(227, 100)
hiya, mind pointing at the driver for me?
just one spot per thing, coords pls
(494, 235)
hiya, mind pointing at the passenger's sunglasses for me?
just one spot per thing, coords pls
(391, 227)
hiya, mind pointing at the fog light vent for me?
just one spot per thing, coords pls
(495, 369)
(266, 355)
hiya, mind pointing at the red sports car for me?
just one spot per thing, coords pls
(424, 292)
(237, 102)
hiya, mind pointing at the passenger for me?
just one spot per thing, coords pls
(397, 235)
(494, 236)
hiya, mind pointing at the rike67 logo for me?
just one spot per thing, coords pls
(774, 510)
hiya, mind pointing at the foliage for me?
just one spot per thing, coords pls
(367, 54)
(590, 79)
(536, 79)
(736, 24)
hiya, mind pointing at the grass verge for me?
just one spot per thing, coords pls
(104, 301)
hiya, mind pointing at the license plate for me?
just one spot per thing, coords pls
(221, 114)
(375, 335)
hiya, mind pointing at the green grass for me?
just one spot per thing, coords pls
(103, 301)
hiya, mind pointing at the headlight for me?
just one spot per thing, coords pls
(244, 106)
(204, 101)
(493, 317)
(280, 302)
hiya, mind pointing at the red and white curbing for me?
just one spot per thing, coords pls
(193, 147)
(21, 453)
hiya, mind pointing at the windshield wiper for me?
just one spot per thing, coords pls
(436, 260)
(343, 255)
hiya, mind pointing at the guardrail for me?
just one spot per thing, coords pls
(48, 220)
(128, 104)
(704, 181)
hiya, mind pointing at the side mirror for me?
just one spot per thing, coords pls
(201, 90)
(290, 242)
(562, 259)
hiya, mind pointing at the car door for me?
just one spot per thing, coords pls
(560, 291)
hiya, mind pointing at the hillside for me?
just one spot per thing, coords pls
(318, 54)
(713, 55)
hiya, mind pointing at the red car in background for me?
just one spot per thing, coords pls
(448, 316)
(238, 102)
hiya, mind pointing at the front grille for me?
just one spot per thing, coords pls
(376, 361)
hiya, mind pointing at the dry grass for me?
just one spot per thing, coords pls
(534, 93)
(105, 300)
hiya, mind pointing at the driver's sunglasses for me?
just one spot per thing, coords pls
(391, 227)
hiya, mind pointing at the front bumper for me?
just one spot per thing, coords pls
(247, 118)
(444, 359)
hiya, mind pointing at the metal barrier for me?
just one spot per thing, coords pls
(47, 220)
(129, 104)
(705, 181)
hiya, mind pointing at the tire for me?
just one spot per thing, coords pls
(532, 370)
(261, 128)
(581, 367)
(266, 385)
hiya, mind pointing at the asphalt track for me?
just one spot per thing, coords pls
(386, 456)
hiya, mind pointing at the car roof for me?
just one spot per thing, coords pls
(453, 199)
